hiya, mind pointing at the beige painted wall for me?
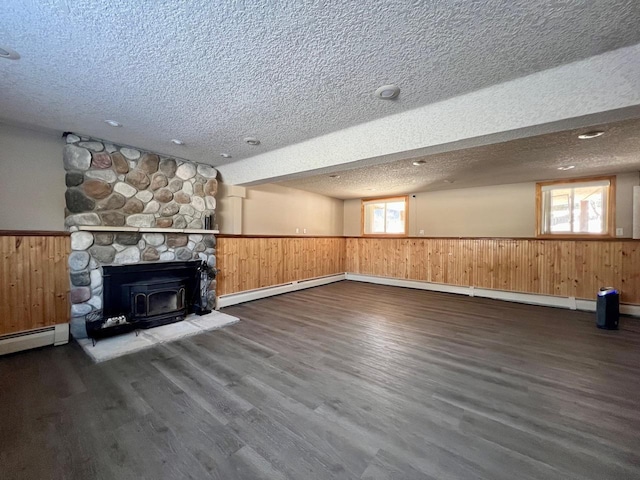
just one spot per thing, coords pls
(497, 211)
(275, 210)
(624, 201)
(229, 209)
(493, 211)
(32, 180)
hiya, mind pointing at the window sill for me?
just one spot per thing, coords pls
(385, 235)
(575, 236)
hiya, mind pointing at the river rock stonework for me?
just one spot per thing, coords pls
(110, 185)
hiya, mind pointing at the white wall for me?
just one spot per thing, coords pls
(276, 210)
(31, 180)
(493, 211)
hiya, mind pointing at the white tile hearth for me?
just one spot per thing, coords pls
(119, 345)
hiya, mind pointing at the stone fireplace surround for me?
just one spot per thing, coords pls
(126, 206)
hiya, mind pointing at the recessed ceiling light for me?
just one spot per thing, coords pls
(567, 167)
(113, 123)
(334, 176)
(449, 181)
(388, 92)
(9, 53)
(252, 141)
(592, 134)
(225, 155)
(417, 163)
(176, 141)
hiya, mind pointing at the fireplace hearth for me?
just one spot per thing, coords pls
(151, 294)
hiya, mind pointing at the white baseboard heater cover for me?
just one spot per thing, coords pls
(249, 295)
(570, 303)
(40, 337)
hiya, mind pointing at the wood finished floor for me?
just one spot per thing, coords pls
(347, 380)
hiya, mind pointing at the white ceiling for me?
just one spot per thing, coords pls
(211, 73)
(528, 159)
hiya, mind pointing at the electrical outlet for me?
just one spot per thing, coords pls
(421, 232)
(619, 232)
(304, 230)
(297, 230)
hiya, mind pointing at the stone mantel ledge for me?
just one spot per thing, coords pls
(103, 228)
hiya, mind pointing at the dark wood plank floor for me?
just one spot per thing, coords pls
(348, 380)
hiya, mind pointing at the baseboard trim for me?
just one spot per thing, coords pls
(41, 337)
(249, 295)
(570, 303)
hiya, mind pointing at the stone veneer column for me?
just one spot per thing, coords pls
(116, 186)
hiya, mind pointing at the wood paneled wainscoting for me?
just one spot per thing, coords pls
(566, 268)
(34, 284)
(248, 263)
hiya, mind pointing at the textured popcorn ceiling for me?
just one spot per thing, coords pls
(529, 159)
(211, 73)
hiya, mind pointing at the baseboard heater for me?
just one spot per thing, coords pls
(39, 337)
(258, 293)
(570, 303)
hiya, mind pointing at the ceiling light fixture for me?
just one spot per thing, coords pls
(253, 141)
(9, 53)
(176, 141)
(113, 123)
(388, 92)
(417, 163)
(225, 155)
(567, 167)
(449, 181)
(592, 134)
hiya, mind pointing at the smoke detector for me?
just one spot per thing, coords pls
(388, 92)
(9, 53)
(253, 141)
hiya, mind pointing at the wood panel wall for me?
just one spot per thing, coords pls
(567, 268)
(34, 281)
(247, 263)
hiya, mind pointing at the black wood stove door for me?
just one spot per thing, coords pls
(152, 294)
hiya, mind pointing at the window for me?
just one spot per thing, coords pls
(384, 216)
(576, 207)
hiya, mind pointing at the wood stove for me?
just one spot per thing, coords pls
(151, 294)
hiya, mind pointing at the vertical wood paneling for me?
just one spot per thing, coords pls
(247, 263)
(34, 282)
(631, 268)
(567, 268)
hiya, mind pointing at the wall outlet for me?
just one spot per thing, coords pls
(421, 232)
(619, 232)
(304, 230)
(297, 230)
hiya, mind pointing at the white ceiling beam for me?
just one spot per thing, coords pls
(540, 103)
